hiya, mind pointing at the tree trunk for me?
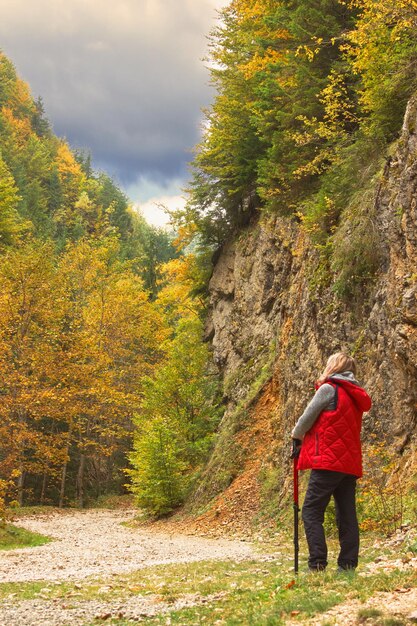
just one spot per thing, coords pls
(62, 489)
(20, 486)
(44, 480)
(80, 481)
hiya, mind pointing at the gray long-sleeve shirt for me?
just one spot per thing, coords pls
(323, 400)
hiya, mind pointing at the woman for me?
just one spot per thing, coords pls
(330, 430)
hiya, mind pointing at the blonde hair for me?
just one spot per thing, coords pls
(339, 362)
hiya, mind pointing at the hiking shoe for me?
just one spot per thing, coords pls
(345, 569)
(317, 568)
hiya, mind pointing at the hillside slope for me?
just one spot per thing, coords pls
(273, 322)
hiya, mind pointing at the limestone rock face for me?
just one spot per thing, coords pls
(272, 329)
(392, 328)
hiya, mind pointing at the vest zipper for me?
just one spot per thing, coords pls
(317, 444)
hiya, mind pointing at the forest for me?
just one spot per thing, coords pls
(310, 96)
(95, 318)
(105, 378)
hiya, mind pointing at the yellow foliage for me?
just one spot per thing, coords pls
(66, 163)
(174, 298)
(378, 46)
(249, 10)
(259, 62)
(20, 128)
(22, 96)
(77, 338)
(72, 181)
(185, 235)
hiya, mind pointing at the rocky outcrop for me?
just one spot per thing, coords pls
(392, 324)
(273, 324)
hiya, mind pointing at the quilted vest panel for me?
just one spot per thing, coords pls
(333, 442)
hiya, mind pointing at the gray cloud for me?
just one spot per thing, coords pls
(124, 79)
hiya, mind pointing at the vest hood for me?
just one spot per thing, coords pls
(355, 391)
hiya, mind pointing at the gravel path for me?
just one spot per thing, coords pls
(58, 613)
(94, 542)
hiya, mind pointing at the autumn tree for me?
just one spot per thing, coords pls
(179, 411)
(30, 408)
(175, 423)
(111, 338)
(270, 60)
(78, 331)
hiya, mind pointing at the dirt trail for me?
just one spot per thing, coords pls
(95, 542)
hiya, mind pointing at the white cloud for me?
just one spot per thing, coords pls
(153, 209)
(149, 196)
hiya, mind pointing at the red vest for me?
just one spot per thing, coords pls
(333, 442)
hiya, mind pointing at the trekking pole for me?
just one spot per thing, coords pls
(296, 447)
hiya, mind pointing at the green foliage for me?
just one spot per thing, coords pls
(223, 191)
(159, 478)
(271, 63)
(341, 221)
(309, 94)
(10, 224)
(174, 428)
(12, 537)
(40, 123)
(356, 252)
(149, 248)
(303, 125)
(382, 50)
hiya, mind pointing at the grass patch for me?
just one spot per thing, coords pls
(22, 591)
(12, 537)
(252, 592)
(28, 511)
(275, 600)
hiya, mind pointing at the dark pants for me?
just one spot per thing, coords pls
(322, 485)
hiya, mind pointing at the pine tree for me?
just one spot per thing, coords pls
(40, 123)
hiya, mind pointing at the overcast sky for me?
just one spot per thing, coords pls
(122, 78)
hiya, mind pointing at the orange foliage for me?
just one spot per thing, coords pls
(20, 128)
(66, 163)
(77, 338)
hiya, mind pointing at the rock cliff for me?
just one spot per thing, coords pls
(272, 326)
